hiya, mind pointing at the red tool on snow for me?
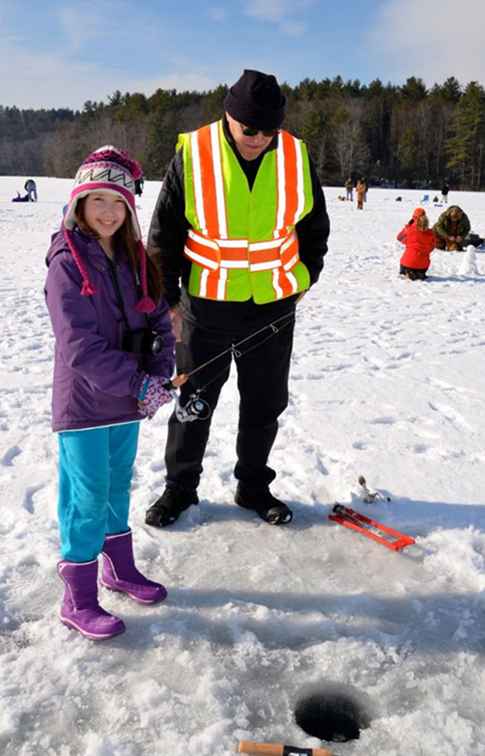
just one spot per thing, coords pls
(387, 536)
(278, 749)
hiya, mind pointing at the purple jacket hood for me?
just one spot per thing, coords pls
(96, 383)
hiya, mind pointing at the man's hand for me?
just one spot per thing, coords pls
(177, 320)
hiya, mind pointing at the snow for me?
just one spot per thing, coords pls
(388, 380)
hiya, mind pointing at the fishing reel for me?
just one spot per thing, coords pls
(194, 409)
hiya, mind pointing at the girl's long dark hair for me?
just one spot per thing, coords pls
(124, 239)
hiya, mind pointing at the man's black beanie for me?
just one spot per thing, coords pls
(256, 100)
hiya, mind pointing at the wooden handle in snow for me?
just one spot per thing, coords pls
(278, 749)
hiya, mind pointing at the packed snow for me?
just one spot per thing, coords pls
(388, 381)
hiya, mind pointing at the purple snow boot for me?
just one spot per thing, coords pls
(80, 608)
(120, 574)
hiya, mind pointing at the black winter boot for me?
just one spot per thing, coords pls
(262, 501)
(168, 508)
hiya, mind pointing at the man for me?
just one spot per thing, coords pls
(241, 221)
(451, 229)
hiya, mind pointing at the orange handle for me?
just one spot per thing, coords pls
(269, 749)
(275, 749)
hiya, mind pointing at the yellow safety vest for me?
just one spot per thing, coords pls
(242, 243)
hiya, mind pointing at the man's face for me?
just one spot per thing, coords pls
(250, 147)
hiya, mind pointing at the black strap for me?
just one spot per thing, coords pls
(116, 286)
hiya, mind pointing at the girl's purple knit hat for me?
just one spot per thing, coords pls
(107, 169)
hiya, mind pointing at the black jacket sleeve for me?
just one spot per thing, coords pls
(313, 231)
(168, 231)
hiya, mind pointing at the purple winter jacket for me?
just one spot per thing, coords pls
(95, 383)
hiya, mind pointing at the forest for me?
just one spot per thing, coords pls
(403, 136)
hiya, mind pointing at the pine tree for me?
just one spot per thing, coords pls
(466, 145)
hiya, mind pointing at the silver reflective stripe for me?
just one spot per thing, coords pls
(299, 183)
(276, 286)
(217, 167)
(205, 261)
(199, 197)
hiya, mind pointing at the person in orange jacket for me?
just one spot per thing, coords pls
(419, 241)
(361, 190)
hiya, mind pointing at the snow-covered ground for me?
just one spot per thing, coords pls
(388, 380)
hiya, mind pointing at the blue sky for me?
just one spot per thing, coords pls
(60, 54)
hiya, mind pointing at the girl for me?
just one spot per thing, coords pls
(114, 357)
(420, 242)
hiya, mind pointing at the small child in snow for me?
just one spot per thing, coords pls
(419, 241)
(114, 355)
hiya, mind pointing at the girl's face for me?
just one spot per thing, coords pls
(104, 213)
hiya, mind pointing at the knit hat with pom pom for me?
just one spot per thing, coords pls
(107, 169)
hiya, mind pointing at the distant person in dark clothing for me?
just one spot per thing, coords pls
(31, 189)
(349, 185)
(451, 229)
(139, 186)
(444, 192)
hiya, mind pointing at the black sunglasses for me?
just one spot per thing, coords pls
(248, 131)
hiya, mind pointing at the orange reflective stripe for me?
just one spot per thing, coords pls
(209, 182)
(289, 250)
(291, 176)
(286, 286)
(215, 284)
(234, 253)
(201, 250)
(264, 255)
(237, 253)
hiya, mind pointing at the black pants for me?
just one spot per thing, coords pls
(415, 274)
(262, 379)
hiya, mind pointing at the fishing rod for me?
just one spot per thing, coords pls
(197, 408)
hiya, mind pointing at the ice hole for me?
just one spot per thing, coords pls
(332, 712)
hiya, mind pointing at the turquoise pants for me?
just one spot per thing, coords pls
(95, 472)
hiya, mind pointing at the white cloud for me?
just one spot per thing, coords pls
(285, 13)
(79, 26)
(431, 40)
(32, 80)
(217, 13)
(293, 28)
(269, 10)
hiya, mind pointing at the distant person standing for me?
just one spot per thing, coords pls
(349, 186)
(419, 241)
(444, 192)
(139, 183)
(31, 189)
(360, 190)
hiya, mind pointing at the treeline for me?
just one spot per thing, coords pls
(404, 135)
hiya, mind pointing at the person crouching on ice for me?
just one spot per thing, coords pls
(114, 355)
(419, 241)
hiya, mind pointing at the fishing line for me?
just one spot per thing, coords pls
(198, 409)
